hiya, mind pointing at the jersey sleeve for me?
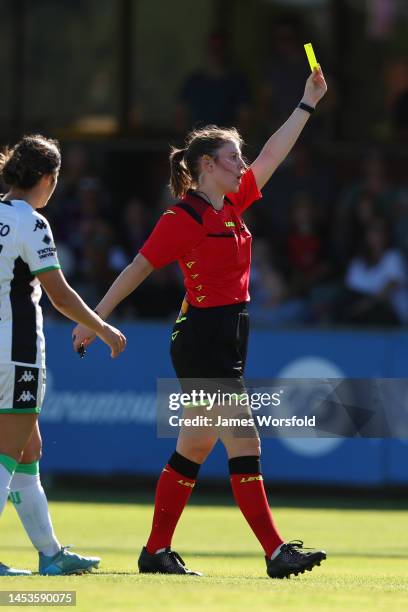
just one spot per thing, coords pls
(248, 192)
(174, 235)
(37, 247)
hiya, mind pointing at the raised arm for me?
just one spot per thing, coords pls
(281, 142)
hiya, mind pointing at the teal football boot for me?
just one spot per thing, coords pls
(65, 563)
(5, 570)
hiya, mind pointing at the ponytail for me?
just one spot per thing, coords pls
(185, 163)
(180, 177)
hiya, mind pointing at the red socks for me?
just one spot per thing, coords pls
(176, 484)
(173, 491)
(248, 488)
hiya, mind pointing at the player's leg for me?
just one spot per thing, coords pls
(29, 499)
(14, 432)
(282, 559)
(173, 491)
(30, 502)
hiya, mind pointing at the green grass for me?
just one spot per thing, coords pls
(367, 566)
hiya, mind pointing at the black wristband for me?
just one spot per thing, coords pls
(306, 107)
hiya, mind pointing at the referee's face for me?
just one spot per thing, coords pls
(229, 167)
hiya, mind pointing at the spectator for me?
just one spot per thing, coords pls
(376, 282)
(374, 181)
(305, 248)
(136, 225)
(217, 93)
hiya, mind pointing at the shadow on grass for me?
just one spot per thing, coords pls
(221, 554)
(126, 490)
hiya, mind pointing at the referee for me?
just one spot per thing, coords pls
(205, 233)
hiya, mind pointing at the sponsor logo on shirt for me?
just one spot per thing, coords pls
(47, 252)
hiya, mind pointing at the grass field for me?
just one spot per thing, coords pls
(366, 569)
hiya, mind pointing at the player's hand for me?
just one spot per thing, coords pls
(81, 338)
(113, 338)
(315, 87)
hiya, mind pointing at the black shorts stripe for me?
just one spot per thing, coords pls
(24, 325)
(26, 387)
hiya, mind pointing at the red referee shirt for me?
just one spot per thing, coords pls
(212, 247)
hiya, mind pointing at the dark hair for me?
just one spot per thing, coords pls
(31, 158)
(379, 223)
(184, 162)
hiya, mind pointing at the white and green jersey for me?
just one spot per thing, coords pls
(26, 249)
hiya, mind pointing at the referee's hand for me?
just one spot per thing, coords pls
(113, 338)
(82, 337)
(315, 88)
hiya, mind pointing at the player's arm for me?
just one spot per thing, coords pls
(281, 142)
(70, 304)
(174, 234)
(127, 281)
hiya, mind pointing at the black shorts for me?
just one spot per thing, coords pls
(211, 344)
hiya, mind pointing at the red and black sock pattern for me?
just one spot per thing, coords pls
(249, 492)
(175, 485)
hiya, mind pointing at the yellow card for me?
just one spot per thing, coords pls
(311, 56)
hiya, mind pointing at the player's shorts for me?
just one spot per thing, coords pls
(22, 389)
(211, 343)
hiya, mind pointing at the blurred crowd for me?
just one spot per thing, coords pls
(328, 250)
(331, 241)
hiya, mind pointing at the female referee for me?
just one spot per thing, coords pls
(28, 260)
(205, 233)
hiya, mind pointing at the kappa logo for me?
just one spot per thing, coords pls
(26, 396)
(28, 376)
(200, 298)
(186, 484)
(190, 264)
(40, 225)
(250, 478)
